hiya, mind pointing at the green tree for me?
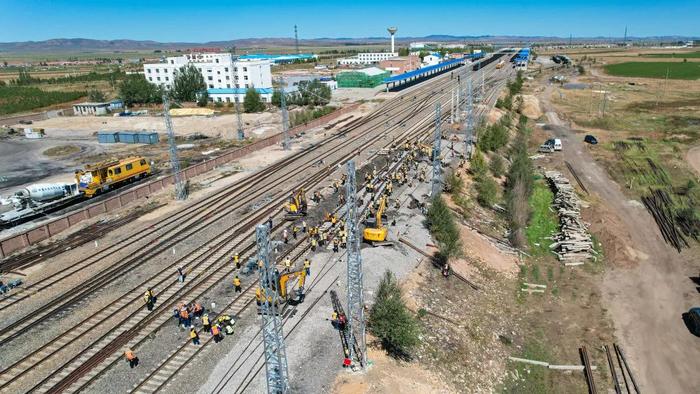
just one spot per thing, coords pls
(310, 93)
(519, 186)
(487, 191)
(187, 84)
(135, 89)
(497, 166)
(477, 164)
(391, 321)
(276, 98)
(252, 101)
(202, 98)
(404, 52)
(96, 96)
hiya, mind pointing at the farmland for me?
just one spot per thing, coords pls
(18, 98)
(676, 70)
(679, 55)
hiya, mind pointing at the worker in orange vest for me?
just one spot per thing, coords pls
(198, 310)
(131, 358)
(216, 332)
(185, 315)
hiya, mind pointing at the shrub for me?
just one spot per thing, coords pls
(252, 101)
(497, 166)
(442, 226)
(453, 183)
(477, 165)
(391, 321)
(487, 191)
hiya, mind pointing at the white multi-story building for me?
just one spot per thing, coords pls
(367, 58)
(227, 77)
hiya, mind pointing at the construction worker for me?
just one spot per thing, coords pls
(343, 240)
(237, 261)
(389, 188)
(285, 236)
(307, 266)
(260, 264)
(336, 243)
(237, 284)
(303, 226)
(131, 358)
(334, 220)
(205, 322)
(287, 263)
(313, 244)
(180, 274)
(198, 310)
(446, 270)
(194, 336)
(258, 296)
(185, 317)
(269, 222)
(334, 319)
(295, 231)
(216, 332)
(149, 298)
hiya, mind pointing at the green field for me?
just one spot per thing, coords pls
(680, 55)
(676, 70)
(15, 99)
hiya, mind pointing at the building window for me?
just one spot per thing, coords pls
(246, 86)
(210, 78)
(226, 69)
(228, 85)
(150, 79)
(228, 99)
(245, 69)
(157, 70)
(167, 79)
(218, 99)
(200, 70)
(235, 69)
(172, 62)
(211, 86)
(218, 72)
(217, 60)
(148, 70)
(158, 78)
(245, 77)
(219, 81)
(227, 77)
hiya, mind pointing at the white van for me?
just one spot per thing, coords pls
(557, 144)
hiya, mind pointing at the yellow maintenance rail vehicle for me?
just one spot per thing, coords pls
(295, 297)
(107, 175)
(296, 206)
(376, 234)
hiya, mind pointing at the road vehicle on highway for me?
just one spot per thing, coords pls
(590, 139)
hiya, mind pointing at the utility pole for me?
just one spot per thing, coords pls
(356, 303)
(436, 187)
(452, 107)
(273, 338)
(296, 39)
(286, 143)
(180, 188)
(469, 130)
(241, 134)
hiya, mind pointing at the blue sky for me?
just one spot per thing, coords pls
(199, 21)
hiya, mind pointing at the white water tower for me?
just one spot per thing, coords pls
(392, 31)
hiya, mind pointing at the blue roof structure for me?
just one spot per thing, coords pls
(422, 71)
(278, 58)
(238, 91)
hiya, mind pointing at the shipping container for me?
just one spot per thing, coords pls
(128, 137)
(148, 138)
(107, 137)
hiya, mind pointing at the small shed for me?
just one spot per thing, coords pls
(116, 105)
(85, 109)
(148, 138)
(129, 137)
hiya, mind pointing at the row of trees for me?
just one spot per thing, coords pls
(24, 78)
(519, 185)
(308, 93)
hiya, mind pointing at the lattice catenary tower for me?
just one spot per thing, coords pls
(356, 315)
(437, 182)
(180, 188)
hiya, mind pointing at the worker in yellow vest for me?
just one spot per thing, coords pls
(237, 284)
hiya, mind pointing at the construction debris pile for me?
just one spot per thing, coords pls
(573, 244)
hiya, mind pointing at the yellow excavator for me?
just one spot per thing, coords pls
(296, 206)
(285, 296)
(377, 234)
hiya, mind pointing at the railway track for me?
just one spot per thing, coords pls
(221, 257)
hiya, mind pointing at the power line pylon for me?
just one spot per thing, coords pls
(356, 315)
(180, 187)
(275, 354)
(241, 133)
(437, 183)
(469, 129)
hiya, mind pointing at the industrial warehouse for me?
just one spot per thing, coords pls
(426, 206)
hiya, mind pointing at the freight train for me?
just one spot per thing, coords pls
(39, 199)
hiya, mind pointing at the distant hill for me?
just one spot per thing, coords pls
(72, 45)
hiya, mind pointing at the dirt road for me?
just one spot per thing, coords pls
(693, 158)
(647, 299)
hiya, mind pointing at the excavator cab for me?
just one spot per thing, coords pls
(297, 205)
(378, 232)
(286, 297)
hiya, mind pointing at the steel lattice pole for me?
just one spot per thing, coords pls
(180, 189)
(356, 315)
(273, 338)
(469, 130)
(286, 143)
(436, 154)
(241, 134)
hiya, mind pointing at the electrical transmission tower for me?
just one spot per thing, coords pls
(296, 39)
(469, 130)
(273, 338)
(180, 188)
(356, 304)
(436, 154)
(241, 134)
(286, 143)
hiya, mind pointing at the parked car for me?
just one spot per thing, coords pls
(590, 139)
(25, 121)
(546, 148)
(554, 143)
(692, 320)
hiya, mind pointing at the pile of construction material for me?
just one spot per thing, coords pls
(573, 244)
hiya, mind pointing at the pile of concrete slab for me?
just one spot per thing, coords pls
(573, 244)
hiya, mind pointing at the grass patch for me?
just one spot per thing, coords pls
(673, 55)
(543, 222)
(676, 70)
(529, 378)
(62, 150)
(20, 98)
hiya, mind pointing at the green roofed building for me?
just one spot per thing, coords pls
(364, 78)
